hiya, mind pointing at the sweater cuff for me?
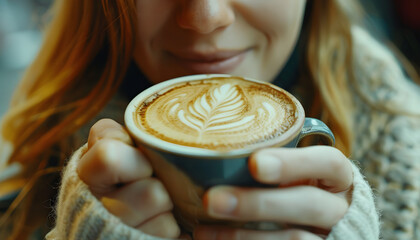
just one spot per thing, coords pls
(80, 215)
(361, 220)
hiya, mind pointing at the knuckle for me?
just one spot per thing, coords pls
(338, 211)
(107, 128)
(99, 126)
(104, 157)
(325, 217)
(337, 160)
(335, 152)
(97, 165)
(104, 150)
(299, 235)
(156, 195)
(170, 229)
(337, 165)
(104, 122)
(316, 210)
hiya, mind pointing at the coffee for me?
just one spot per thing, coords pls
(219, 113)
(198, 131)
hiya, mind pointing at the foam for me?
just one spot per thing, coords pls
(218, 114)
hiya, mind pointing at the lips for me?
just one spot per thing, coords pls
(221, 61)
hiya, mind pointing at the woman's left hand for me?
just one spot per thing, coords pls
(314, 193)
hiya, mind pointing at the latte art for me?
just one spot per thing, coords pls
(218, 113)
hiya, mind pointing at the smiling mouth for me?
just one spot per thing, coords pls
(215, 62)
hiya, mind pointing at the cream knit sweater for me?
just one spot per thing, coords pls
(387, 151)
(80, 215)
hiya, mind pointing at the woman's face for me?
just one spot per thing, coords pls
(249, 38)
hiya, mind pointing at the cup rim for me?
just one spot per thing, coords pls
(161, 145)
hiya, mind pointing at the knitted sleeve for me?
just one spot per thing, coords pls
(388, 136)
(80, 215)
(392, 166)
(361, 220)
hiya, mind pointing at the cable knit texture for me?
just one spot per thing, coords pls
(387, 150)
(81, 216)
(388, 146)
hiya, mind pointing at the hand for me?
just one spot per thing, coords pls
(314, 188)
(120, 176)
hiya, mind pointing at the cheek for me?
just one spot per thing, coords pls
(273, 17)
(279, 23)
(152, 15)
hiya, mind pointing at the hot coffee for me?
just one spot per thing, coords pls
(198, 131)
(219, 113)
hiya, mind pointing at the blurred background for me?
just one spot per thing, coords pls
(22, 21)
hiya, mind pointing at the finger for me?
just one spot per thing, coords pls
(108, 129)
(110, 163)
(284, 166)
(223, 233)
(139, 201)
(185, 236)
(301, 205)
(163, 225)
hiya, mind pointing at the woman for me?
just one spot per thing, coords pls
(96, 56)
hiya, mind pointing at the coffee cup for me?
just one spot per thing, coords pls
(198, 131)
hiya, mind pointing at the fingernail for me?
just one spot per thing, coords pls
(220, 202)
(266, 168)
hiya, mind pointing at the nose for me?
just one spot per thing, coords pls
(205, 16)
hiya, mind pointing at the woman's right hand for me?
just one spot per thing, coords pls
(120, 176)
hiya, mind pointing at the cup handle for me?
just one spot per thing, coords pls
(311, 126)
(314, 126)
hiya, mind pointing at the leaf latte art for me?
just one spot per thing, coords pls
(216, 111)
(219, 114)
